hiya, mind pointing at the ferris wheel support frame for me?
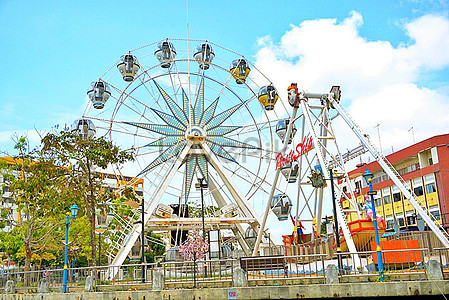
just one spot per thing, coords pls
(137, 228)
(273, 187)
(237, 229)
(326, 172)
(246, 209)
(392, 173)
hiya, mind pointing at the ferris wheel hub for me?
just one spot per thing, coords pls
(196, 135)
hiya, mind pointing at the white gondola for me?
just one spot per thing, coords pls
(128, 67)
(165, 53)
(163, 211)
(84, 128)
(229, 211)
(204, 54)
(250, 236)
(281, 206)
(99, 92)
(281, 130)
(173, 254)
(239, 70)
(290, 171)
(268, 96)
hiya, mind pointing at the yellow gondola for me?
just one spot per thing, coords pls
(268, 96)
(239, 70)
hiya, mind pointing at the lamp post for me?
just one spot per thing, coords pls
(337, 233)
(369, 177)
(201, 184)
(142, 240)
(102, 226)
(74, 211)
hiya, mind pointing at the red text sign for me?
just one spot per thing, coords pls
(301, 148)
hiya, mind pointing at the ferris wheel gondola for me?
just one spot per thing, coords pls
(128, 67)
(204, 54)
(281, 130)
(281, 206)
(99, 92)
(165, 53)
(239, 70)
(268, 96)
(84, 128)
(290, 171)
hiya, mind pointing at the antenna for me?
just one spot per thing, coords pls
(413, 134)
(378, 135)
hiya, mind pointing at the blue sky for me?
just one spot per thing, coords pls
(54, 49)
(390, 57)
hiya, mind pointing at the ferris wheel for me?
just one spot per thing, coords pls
(203, 113)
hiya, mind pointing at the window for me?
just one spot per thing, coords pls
(418, 191)
(389, 224)
(430, 188)
(396, 197)
(436, 214)
(401, 222)
(345, 189)
(411, 220)
(434, 211)
(378, 202)
(387, 199)
(358, 185)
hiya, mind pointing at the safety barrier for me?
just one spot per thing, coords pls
(259, 271)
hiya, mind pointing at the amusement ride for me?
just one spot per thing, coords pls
(209, 115)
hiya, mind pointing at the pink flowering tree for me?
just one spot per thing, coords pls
(194, 248)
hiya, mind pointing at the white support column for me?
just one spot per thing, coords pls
(273, 187)
(123, 253)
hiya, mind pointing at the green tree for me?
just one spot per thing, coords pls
(36, 186)
(83, 158)
(156, 246)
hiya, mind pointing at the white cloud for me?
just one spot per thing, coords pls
(380, 83)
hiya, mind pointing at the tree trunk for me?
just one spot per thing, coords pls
(28, 254)
(92, 237)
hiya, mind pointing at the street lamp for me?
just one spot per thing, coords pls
(200, 185)
(142, 237)
(102, 226)
(337, 232)
(74, 211)
(368, 178)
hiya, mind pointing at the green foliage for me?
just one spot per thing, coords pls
(11, 243)
(82, 158)
(156, 247)
(195, 210)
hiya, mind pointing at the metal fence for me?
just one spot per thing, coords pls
(258, 270)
